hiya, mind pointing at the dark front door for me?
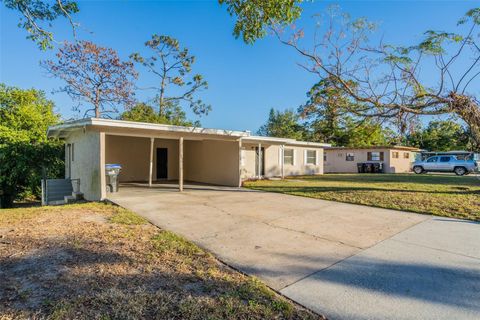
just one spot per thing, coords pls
(162, 163)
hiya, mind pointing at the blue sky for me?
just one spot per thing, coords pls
(245, 81)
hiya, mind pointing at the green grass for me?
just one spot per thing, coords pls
(120, 267)
(442, 195)
(123, 216)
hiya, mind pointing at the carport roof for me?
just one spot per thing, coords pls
(153, 129)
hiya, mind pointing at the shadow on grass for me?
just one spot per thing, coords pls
(319, 189)
(396, 178)
(63, 281)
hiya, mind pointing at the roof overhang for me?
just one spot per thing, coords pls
(283, 141)
(404, 148)
(131, 128)
(153, 130)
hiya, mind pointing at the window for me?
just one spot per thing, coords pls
(288, 156)
(444, 159)
(339, 155)
(375, 156)
(432, 159)
(350, 156)
(324, 156)
(406, 155)
(73, 153)
(311, 157)
(395, 155)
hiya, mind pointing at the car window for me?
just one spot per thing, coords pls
(432, 159)
(444, 159)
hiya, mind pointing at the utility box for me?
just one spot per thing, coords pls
(111, 176)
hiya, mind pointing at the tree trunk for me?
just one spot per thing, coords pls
(97, 103)
(469, 111)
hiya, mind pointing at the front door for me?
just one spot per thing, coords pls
(162, 163)
(259, 158)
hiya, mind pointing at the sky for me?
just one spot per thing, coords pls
(245, 81)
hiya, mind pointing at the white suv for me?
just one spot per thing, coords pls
(445, 163)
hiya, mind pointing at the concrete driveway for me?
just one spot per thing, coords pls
(341, 260)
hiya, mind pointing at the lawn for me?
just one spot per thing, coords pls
(98, 261)
(442, 195)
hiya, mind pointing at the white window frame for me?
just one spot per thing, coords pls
(285, 151)
(306, 158)
(374, 158)
(350, 156)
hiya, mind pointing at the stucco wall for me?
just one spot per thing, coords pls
(133, 153)
(86, 162)
(336, 160)
(273, 161)
(211, 161)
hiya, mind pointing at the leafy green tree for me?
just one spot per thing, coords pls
(36, 17)
(446, 135)
(254, 17)
(172, 64)
(172, 114)
(283, 125)
(25, 116)
(329, 118)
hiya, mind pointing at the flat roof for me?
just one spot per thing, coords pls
(374, 147)
(63, 129)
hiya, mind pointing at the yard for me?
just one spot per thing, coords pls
(98, 261)
(442, 195)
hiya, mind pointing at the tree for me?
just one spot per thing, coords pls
(172, 64)
(282, 125)
(38, 15)
(144, 113)
(94, 75)
(25, 116)
(387, 80)
(329, 119)
(445, 135)
(255, 17)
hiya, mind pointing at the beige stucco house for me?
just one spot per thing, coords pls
(395, 159)
(155, 152)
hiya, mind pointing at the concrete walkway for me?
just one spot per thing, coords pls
(344, 261)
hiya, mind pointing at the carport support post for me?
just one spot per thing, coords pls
(150, 173)
(259, 165)
(282, 154)
(180, 164)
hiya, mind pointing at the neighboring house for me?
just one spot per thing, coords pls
(395, 159)
(155, 152)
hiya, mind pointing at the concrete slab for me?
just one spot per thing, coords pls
(452, 235)
(358, 226)
(394, 280)
(255, 249)
(345, 261)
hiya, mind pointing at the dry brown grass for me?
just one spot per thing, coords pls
(97, 261)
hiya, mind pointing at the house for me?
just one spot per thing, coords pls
(156, 152)
(395, 159)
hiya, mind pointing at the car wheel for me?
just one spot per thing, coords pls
(418, 170)
(460, 171)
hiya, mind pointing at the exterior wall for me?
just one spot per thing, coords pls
(402, 164)
(211, 161)
(273, 161)
(86, 163)
(133, 154)
(336, 160)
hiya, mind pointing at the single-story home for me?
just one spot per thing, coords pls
(156, 152)
(395, 159)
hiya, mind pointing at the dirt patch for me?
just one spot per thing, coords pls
(95, 261)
